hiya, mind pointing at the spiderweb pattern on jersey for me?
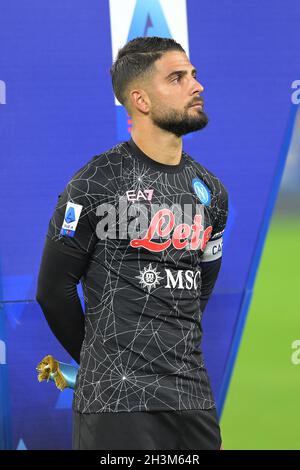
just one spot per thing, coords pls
(147, 356)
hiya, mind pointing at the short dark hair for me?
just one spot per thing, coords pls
(136, 58)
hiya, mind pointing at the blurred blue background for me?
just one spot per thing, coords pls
(58, 110)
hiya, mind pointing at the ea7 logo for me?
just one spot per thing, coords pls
(2, 92)
(146, 195)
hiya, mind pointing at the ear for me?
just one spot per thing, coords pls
(140, 100)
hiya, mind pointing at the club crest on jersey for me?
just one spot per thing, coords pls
(202, 191)
(71, 218)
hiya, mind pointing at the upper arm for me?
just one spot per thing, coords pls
(72, 227)
(214, 247)
(71, 235)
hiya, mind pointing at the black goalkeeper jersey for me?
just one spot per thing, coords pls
(147, 229)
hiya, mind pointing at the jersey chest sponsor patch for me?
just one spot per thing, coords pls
(71, 218)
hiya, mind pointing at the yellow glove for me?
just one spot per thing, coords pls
(49, 368)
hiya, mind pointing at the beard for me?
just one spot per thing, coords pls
(180, 122)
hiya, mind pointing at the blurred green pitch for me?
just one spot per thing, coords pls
(262, 410)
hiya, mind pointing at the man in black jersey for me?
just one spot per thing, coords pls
(140, 225)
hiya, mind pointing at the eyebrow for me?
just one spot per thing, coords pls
(180, 72)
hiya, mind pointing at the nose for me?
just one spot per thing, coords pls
(197, 87)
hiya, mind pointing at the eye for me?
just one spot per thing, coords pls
(177, 78)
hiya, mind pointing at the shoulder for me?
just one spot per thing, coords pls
(210, 178)
(103, 168)
(219, 196)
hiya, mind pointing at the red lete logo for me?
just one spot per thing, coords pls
(181, 232)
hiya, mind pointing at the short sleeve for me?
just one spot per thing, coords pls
(72, 226)
(214, 246)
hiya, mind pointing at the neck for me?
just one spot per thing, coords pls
(158, 144)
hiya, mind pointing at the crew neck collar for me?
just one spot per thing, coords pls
(153, 163)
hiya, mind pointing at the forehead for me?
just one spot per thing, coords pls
(172, 60)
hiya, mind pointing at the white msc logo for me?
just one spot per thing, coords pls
(184, 279)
